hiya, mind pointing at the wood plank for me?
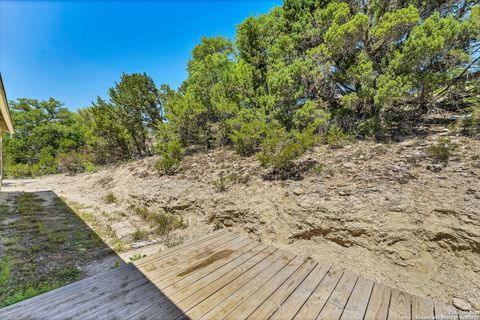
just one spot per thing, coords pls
(422, 308)
(90, 304)
(339, 297)
(465, 315)
(290, 307)
(96, 303)
(26, 307)
(187, 254)
(274, 293)
(122, 308)
(312, 307)
(79, 297)
(202, 301)
(174, 250)
(182, 270)
(445, 312)
(379, 303)
(201, 289)
(43, 309)
(358, 302)
(287, 262)
(236, 246)
(246, 252)
(400, 305)
(218, 267)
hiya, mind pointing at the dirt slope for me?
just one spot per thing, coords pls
(384, 211)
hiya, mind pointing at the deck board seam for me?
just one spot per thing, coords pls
(275, 288)
(245, 271)
(349, 296)
(312, 290)
(255, 277)
(329, 296)
(368, 302)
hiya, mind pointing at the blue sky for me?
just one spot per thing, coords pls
(75, 50)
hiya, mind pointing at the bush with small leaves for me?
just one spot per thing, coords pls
(336, 137)
(442, 150)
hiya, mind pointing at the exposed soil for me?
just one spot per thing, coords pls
(386, 211)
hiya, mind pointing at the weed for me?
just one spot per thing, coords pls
(4, 272)
(30, 292)
(167, 223)
(138, 235)
(4, 210)
(56, 237)
(69, 274)
(141, 211)
(9, 242)
(137, 256)
(170, 242)
(217, 226)
(221, 183)
(319, 168)
(119, 245)
(110, 198)
(442, 150)
(116, 264)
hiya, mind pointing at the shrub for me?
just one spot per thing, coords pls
(167, 223)
(73, 162)
(442, 150)
(336, 137)
(470, 124)
(171, 153)
(281, 148)
(248, 129)
(138, 235)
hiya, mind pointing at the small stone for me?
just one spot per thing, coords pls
(298, 191)
(462, 304)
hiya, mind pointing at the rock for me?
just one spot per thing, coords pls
(123, 229)
(462, 304)
(298, 191)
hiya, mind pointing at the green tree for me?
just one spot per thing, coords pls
(137, 101)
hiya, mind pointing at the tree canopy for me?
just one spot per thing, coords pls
(308, 70)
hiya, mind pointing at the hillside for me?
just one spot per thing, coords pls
(389, 212)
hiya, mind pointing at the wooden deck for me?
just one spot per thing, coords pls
(227, 276)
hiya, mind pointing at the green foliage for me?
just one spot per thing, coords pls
(43, 130)
(217, 226)
(288, 75)
(28, 293)
(280, 148)
(137, 256)
(247, 131)
(167, 222)
(171, 153)
(138, 235)
(470, 124)
(442, 150)
(336, 137)
(221, 183)
(74, 162)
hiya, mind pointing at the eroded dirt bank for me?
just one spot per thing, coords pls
(384, 211)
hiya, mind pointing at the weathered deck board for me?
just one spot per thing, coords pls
(226, 276)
